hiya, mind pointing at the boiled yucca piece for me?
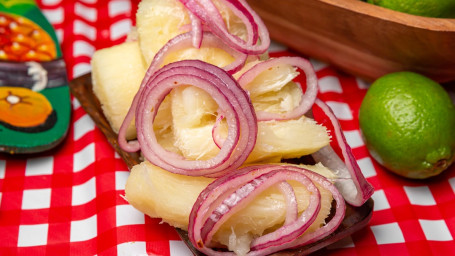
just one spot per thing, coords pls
(273, 90)
(162, 194)
(158, 21)
(117, 73)
(288, 139)
(194, 114)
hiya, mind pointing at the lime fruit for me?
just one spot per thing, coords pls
(428, 8)
(408, 124)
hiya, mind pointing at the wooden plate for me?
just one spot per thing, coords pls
(355, 219)
(362, 39)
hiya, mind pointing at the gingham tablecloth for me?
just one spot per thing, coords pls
(69, 200)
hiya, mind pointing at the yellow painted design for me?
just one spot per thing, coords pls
(22, 107)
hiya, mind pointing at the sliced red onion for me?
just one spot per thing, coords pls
(254, 25)
(246, 193)
(292, 210)
(232, 192)
(185, 40)
(231, 99)
(179, 42)
(350, 182)
(247, 18)
(217, 139)
(196, 29)
(291, 231)
(308, 98)
(333, 223)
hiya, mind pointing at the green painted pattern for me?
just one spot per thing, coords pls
(13, 141)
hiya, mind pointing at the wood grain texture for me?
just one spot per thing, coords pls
(355, 218)
(362, 39)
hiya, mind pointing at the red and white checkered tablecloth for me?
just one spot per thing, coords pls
(69, 200)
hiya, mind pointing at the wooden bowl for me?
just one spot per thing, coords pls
(362, 39)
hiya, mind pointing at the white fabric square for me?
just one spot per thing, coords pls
(178, 248)
(32, 235)
(435, 230)
(342, 110)
(367, 167)
(82, 48)
(54, 15)
(81, 69)
(36, 199)
(76, 103)
(84, 158)
(318, 65)
(420, 195)
(2, 169)
(120, 179)
(39, 166)
(330, 84)
(118, 7)
(82, 28)
(380, 201)
(353, 138)
(132, 248)
(83, 230)
(451, 180)
(128, 215)
(84, 193)
(82, 126)
(120, 29)
(86, 12)
(59, 33)
(388, 233)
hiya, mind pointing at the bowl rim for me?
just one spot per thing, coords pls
(410, 20)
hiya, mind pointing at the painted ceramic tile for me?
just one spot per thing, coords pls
(34, 95)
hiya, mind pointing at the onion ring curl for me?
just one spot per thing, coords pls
(232, 101)
(352, 184)
(179, 42)
(228, 194)
(207, 12)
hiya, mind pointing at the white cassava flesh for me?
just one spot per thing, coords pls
(117, 73)
(158, 21)
(162, 194)
(193, 116)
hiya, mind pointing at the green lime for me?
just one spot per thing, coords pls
(428, 8)
(408, 124)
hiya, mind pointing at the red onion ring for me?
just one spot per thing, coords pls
(211, 18)
(179, 42)
(333, 223)
(292, 210)
(351, 183)
(308, 98)
(231, 192)
(247, 18)
(196, 29)
(246, 193)
(232, 101)
(217, 139)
